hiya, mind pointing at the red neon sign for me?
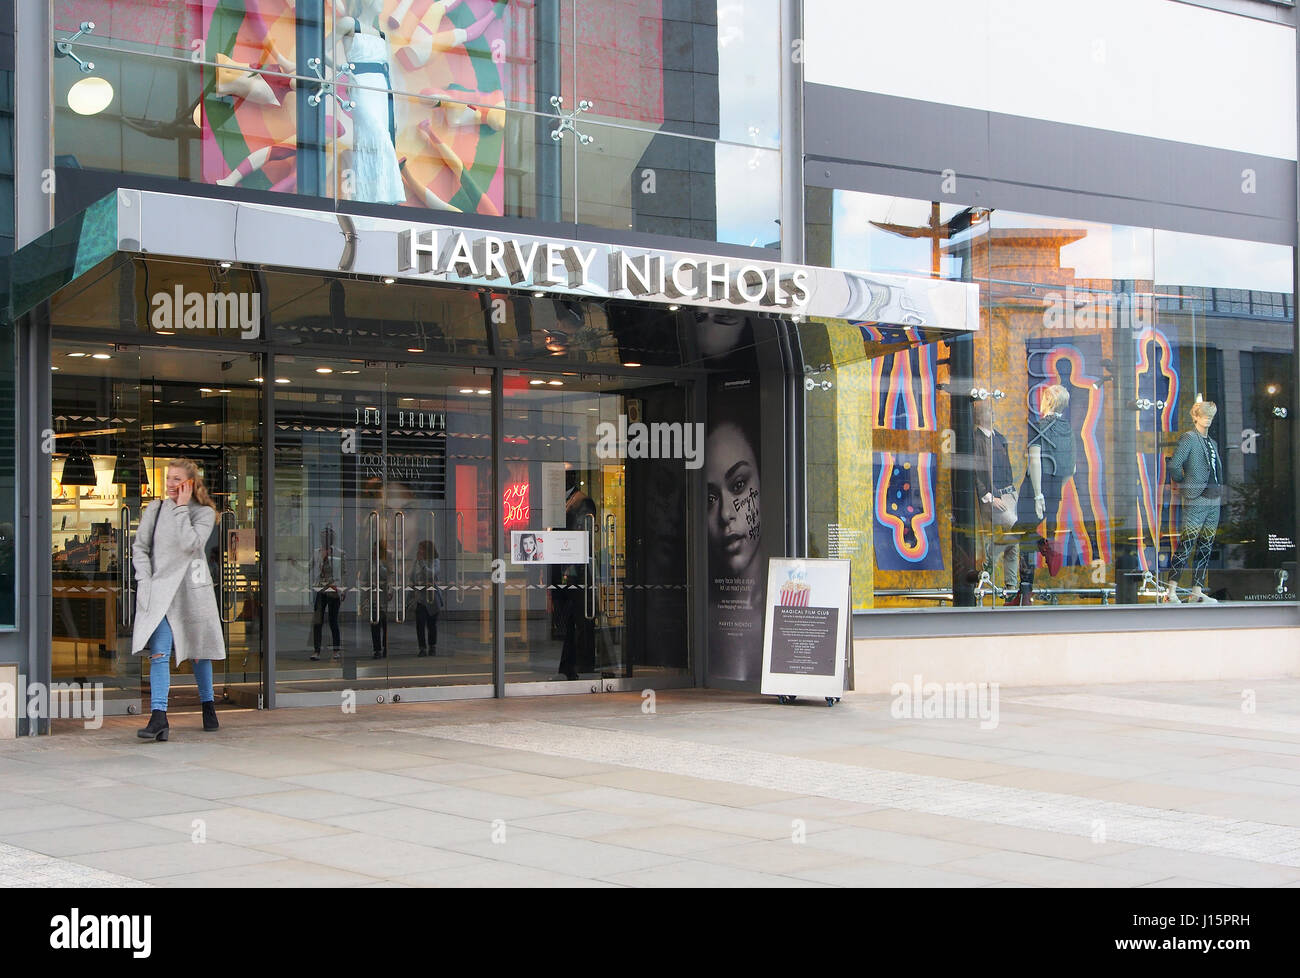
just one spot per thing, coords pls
(516, 503)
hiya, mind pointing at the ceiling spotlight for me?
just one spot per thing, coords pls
(556, 383)
(539, 295)
(205, 390)
(534, 383)
(631, 363)
(257, 380)
(165, 332)
(350, 371)
(283, 380)
(484, 391)
(326, 370)
(90, 96)
(414, 349)
(101, 356)
(74, 355)
(389, 280)
(224, 264)
(223, 390)
(673, 308)
(467, 390)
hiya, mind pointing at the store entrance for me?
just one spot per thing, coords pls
(120, 413)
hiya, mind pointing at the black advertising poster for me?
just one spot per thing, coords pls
(737, 559)
(803, 640)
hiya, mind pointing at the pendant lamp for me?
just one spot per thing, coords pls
(79, 468)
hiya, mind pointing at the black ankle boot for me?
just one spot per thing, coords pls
(210, 716)
(157, 729)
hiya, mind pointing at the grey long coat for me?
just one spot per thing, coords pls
(172, 579)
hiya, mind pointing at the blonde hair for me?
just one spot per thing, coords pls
(191, 470)
(1054, 399)
(1206, 409)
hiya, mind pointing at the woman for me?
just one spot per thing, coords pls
(1198, 466)
(176, 609)
(330, 592)
(1051, 466)
(528, 548)
(428, 599)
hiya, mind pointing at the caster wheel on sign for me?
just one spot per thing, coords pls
(781, 700)
(830, 701)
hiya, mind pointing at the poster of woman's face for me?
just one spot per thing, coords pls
(737, 559)
(735, 519)
(529, 549)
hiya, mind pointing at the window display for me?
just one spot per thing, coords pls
(1118, 432)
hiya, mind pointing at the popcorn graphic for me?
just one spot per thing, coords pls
(795, 592)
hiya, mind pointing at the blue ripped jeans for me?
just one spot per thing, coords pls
(160, 666)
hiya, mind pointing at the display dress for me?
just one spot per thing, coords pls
(374, 156)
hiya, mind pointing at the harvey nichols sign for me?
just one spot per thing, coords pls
(599, 269)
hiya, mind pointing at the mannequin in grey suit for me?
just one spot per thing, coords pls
(1198, 466)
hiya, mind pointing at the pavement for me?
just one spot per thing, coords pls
(1141, 785)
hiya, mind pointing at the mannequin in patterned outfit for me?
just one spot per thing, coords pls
(1198, 466)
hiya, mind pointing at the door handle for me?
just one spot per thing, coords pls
(374, 566)
(615, 593)
(226, 569)
(125, 596)
(399, 551)
(460, 562)
(589, 592)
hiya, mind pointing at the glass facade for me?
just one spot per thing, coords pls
(8, 377)
(630, 115)
(1118, 432)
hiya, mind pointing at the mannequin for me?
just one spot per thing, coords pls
(1198, 465)
(374, 154)
(997, 496)
(1051, 465)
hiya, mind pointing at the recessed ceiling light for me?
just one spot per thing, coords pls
(257, 380)
(414, 349)
(165, 332)
(328, 370)
(556, 383)
(631, 363)
(467, 390)
(350, 371)
(90, 96)
(156, 401)
(389, 280)
(534, 383)
(101, 356)
(223, 390)
(54, 368)
(200, 422)
(72, 355)
(484, 391)
(224, 264)
(205, 390)
(539, 295)
(282, 380)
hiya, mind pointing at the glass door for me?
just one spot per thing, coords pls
(384, 550)
(594, 497)
(201, 406)
(98, 485)
(120, 414)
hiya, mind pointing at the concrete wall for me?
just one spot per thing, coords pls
(1078, 658)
